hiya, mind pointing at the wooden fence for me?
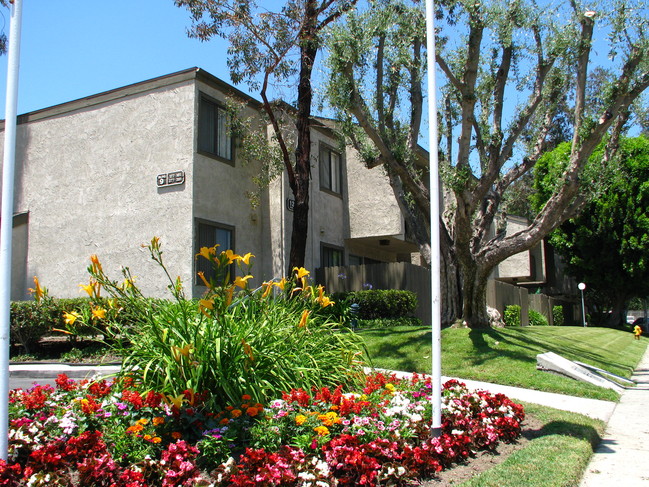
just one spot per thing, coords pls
(403, 275)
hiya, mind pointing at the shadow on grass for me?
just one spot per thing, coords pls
(566, 428)
(586, 353)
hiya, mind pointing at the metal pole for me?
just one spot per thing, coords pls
(583, 309)
(435, 287)
(6, 224)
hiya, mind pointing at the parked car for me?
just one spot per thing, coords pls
(643, 322)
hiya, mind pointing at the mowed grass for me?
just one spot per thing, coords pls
(565, 442)
(508, 355)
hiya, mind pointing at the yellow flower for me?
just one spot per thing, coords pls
(303, 320)
(207, 303)
(230, 255)
(70, 318)
(96, 265)
(300, 272)
(246, 258)
(247, 349)
(390, 387)
(300, 419)
(143, 421)
(242, 282)
(321, 430)
(177, 352)
(98, 313)
(228, 295)
(202, 276)
(37, 291)
(281, 284)
(175, 400)
(268, 286)
(207, 252)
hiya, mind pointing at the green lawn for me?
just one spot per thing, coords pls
(565, 441)
(508, 355)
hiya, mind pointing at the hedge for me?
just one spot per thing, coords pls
(381, 303)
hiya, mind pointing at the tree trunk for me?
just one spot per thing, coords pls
(616, 316)
(474, 297)
(300, 188)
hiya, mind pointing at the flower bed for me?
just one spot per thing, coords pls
(112, 434)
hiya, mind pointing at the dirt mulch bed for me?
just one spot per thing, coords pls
(483, 461)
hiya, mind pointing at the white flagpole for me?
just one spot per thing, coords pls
(6, 224)
(435, 287)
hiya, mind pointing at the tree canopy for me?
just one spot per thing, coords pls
(607, 245)
(279, 46)
(509, 74)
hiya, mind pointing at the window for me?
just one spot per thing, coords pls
(330, 170)
(213, 130)
(331, 256)
(358, 260)
(209, 235)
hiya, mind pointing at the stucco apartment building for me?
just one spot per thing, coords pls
(104, 174)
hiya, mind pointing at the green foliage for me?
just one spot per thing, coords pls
(512, 315)
(607, 245)
(537, 318)
(381, 303)
(31, 320)
(557, 315)
(233, 341)
(389, 322)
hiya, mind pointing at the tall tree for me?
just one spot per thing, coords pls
(607, 245)
(508, 68)
(275, 46)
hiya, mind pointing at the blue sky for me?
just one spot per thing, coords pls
(74, 48)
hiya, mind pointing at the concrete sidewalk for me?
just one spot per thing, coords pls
(621, 458)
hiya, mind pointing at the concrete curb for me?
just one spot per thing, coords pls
(51, 371)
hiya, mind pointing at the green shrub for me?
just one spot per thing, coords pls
(389, 322)
(537, 319)
(557, 315)
(512, 315)
(381, 303)
(233, 341)
(32, 320)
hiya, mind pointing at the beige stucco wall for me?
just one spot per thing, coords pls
(221, 194)
(88, 180)
(373, 209)
(518, 265)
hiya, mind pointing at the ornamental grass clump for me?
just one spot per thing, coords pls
(234, 340)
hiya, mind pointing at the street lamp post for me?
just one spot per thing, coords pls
(581, 287)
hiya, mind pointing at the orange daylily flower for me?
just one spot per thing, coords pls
(37, 291)
(300, 272)
(98, 313)
(303, 320)
(202, 276)
(231, 255)
(242, 282)
(70, 318)
(228, 295)
(207, 252)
